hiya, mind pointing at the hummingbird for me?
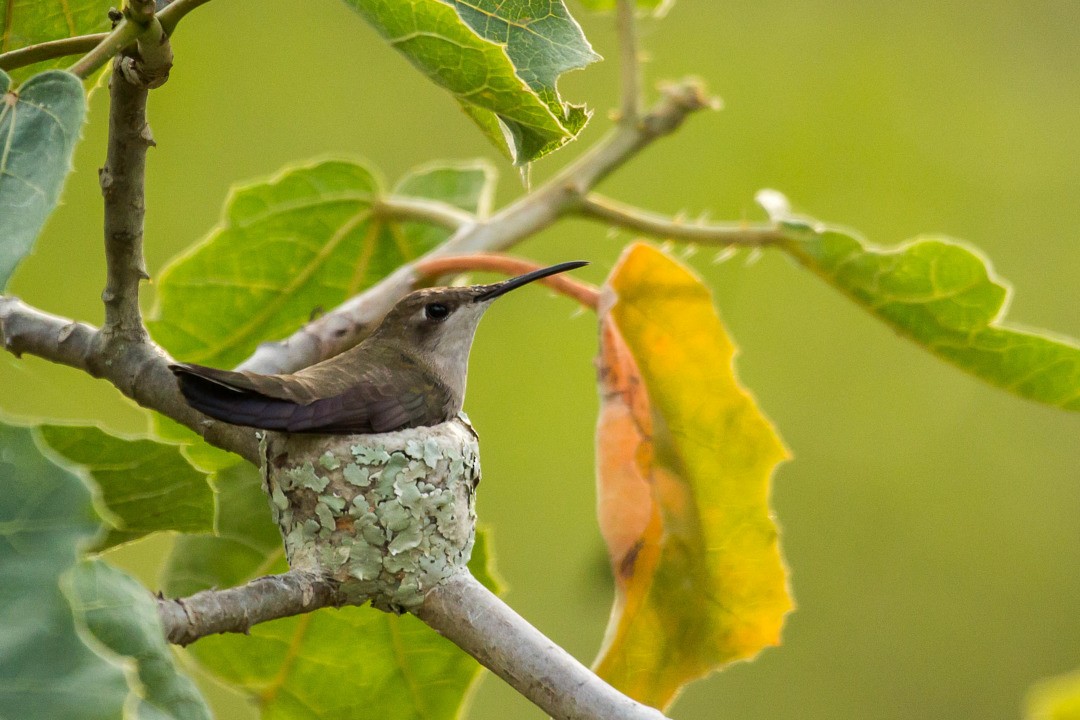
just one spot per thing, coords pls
(409, 372)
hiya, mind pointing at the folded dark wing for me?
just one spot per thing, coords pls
(375, 402)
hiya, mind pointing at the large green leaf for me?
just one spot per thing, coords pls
(39, 126)
(29, 22)
(299, 244)
(146, 486)
(501, 60)
(246, 543)
(944, 296)
(46, 519)
(122, 615)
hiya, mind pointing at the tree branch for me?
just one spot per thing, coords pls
(471, 616)
(236, 610)
(123, 180)
(351, 321)
(139, 370)
(629, 64)
(598, 207)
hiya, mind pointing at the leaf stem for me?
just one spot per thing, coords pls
(610, 211)
(50, 50)
(99, 47)
(420, 210)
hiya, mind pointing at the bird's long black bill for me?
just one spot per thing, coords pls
(507, 285)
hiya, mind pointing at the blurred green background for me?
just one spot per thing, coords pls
(930, 522)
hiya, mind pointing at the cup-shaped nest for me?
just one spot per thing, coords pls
(387, 516)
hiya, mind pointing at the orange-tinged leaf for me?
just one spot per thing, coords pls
(685, 461)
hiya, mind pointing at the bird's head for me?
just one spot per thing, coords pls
(438, 323)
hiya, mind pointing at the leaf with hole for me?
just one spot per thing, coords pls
(500, 60)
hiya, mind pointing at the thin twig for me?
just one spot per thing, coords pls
(467, 613)
(237, 610)
(175, 11)
(583, 292)
(95, 43)
(425, 211)
(350, 322)
(50, 50)
(626, 216)
(629, 63)
(121, 36)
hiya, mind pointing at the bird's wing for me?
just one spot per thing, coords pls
(374, 401)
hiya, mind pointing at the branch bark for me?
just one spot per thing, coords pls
(139, 370)
(236, 610)
(351, 321)
(473, 618)
(123, 180)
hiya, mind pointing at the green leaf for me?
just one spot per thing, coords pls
(501, 60)
(123, 616)
(30, 22)
(297, 245)
(944, 296)
(684, 463)
(46, 519)
(39, 126)
(246, 543)
(146, 486)
(197, 451)
(657, 7)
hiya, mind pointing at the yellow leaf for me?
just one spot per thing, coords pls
(685, 460)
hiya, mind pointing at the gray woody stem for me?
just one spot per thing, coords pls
(237, 609)
(350, 322)
(139, 370)
(123, 181)
(467, 613)
(460, 608)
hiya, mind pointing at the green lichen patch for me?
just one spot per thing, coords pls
(328, 461)
(388, 516)
(358, 475)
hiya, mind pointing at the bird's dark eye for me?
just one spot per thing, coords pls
(436, 311)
